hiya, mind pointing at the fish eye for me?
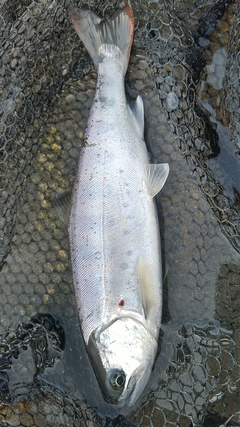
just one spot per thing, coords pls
(119, 380)
(116, 378)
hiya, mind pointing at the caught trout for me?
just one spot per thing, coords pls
(113, 229)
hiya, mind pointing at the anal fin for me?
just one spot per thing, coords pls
(137, 109)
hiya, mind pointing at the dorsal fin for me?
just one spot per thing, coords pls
(155, 176)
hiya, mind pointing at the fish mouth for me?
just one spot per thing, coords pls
(125, 400)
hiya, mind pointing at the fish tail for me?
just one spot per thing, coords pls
(106, 38)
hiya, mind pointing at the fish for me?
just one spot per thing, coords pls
(113, 226)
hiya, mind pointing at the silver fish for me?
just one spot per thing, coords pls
(113, 228)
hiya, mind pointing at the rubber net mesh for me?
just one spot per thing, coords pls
(186, 53)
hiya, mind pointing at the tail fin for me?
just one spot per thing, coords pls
(111, 37)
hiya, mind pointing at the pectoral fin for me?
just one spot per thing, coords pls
(148, 290)
(155, 177)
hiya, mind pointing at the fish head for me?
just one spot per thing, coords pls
(122, 355)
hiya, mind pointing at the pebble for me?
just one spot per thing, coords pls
(172, 101)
